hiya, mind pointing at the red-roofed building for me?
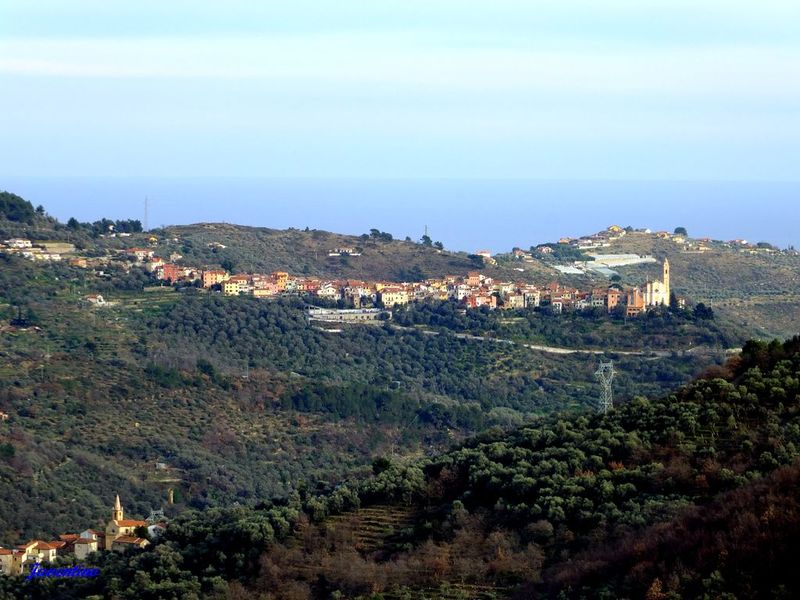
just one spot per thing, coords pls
(126, 542)
(85, 546)
(11, 561)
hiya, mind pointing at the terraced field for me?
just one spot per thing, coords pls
(378, 533)
(376, 528)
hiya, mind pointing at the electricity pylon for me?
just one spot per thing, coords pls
(605, 374)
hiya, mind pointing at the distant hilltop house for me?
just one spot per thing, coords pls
(486, 255)
(140, 254)
(344, 251)
(18, 243)
(95, 300)
(42, 251)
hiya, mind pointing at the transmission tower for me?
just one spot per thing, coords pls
(146, 214)
(605, 374)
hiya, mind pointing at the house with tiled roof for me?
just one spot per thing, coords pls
(140, 254)
(11, 561)
(213, 277)
(392, 296)
(38, 551)
(238, 285)
(127, 542)
(84, 547)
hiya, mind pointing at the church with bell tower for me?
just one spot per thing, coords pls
(656, 293)
(122, 531)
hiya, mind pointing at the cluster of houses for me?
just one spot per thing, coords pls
(119, 535)
(605, 239)
(474, 290)
(40, 251)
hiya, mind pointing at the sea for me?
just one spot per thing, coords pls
(464, 214)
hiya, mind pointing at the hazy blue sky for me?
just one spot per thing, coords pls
(463, 214)
(613, 89)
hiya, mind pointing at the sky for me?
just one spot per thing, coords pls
(464, 214)
(521, 89)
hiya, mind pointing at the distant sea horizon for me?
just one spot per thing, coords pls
(464, 214)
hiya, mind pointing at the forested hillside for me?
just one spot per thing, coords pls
(692, 495)
(447, 452)
(211, 386)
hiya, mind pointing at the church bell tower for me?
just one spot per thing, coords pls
(117, 514)
(666, 281)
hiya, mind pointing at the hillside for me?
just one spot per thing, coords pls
(255, 416)
(211, 385)
(88, 390)
(303, 252)
(688, 496)
(755, 288)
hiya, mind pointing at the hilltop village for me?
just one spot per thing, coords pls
(119, 535)
(474, 290)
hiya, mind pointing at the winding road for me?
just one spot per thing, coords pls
(559, 350)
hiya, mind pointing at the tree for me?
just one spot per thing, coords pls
(681, 231)
(701, 311)
(426, 240)
(73, 223)
(476, 260)
(438, 245)
(14, 208)
(377, 234)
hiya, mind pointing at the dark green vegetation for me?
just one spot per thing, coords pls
(97, 396)
(13, 208)
(390, 373)
(594, 328)
(690, 496)
(561, 253)
(104, 226)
